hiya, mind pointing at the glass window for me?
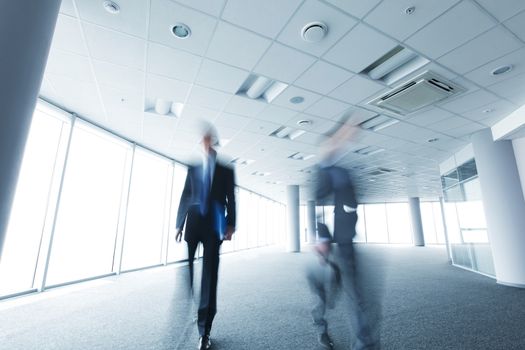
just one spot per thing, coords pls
(253, 226)
(399, 226)
(438, 221)
(37, 187)
(376, 225)
(147, 210)
(452, 222)
(176, 251)
(429, 225)
(87, 218)
(360, 227)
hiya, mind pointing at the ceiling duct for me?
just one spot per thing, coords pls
(378, 122)
(424, 90)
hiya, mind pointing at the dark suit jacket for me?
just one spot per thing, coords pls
(335, 181)
(221, 198)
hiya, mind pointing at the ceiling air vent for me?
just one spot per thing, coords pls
(425, 89)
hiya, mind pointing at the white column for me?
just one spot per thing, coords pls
(504, 206)
(26, 30)
(417, 225)
(519, 154)
(310, 221)
(292, 206)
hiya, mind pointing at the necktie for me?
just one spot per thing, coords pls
(205, 188)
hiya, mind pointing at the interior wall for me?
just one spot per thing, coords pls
(519, 153)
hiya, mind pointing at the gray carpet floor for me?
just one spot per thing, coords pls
(264, 303)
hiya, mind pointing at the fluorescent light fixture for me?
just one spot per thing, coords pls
(369, 150)
(285, 132)
(258, 87)
(242, 161)
(301, 156)
(394, 62)
(260, 173)
(378, 122)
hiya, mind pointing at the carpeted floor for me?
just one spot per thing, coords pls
(264, 303)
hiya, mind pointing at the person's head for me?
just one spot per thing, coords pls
(209, 137)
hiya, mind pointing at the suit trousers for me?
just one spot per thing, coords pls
(360, 318)
(210, 271)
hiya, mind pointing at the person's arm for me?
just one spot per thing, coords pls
(183, 207)
(230, 205)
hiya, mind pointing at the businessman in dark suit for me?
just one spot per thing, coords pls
(207, 206)
(334, 183)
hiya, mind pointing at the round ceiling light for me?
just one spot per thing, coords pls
(314, 32)
(297, 99)
(111, 7)
(181, 31)
(502, 70)
(410, 10)
(304, 122)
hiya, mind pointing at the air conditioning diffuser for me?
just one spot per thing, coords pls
(425, 89)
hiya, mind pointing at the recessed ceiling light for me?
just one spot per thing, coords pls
(501, 70)
(111, 7)
(181, 31)
(304, 122)
(314, 32)
(433, 140)
(410, 10)
(297, 99)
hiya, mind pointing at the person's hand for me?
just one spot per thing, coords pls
(178, 236)
(229, 233)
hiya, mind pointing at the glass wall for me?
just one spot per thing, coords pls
(465, 219)
(89, 204)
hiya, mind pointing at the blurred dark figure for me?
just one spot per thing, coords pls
(207, 205)
(324, 279)
(335, 183)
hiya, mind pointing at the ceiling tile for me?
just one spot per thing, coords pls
(511, 89)
(449, 124)
(457, 26)
(231, 121)
(483, 76)
(171, 63)
(323, 77)
(244, 106)
(356, 89)
(390, 16)
(119, 76)
(283, 64)
(118, 101)
(110, 46)
(499, 109)
(328, 108)
(220, 76)
(164, 88)
(430, 116)
(128, 125)
(357, 8)
(470, 101)
(79, 96)
(67, 7)
(465, 130)
(237, 47)
(260, 16)
(337, 22)
(132, 18)
(360, 48)
(486, 47)
(276, 114)
(261, 127)
(408, 132)
(510, 8)
(208, 98)
(68, 36)
(193, 116)
(165, 13)
(283, 99)
(212, 7)
(69, 65)
(515, 24)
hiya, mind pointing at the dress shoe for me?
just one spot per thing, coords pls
(204, 342)
(325, 341)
